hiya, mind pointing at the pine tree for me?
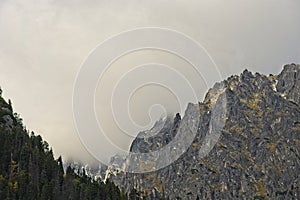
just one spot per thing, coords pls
(28, 169)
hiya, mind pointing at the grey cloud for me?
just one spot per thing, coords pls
(43, 43)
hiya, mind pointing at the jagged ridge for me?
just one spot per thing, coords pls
(257, 155)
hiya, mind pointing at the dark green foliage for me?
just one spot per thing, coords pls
(28, 169)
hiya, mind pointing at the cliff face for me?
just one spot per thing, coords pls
(160, 135)
(255, 156)
(289, 83)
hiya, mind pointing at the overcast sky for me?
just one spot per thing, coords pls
(44, 42)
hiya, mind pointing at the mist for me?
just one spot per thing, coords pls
(44, 43)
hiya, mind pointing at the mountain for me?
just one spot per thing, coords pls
(241, 142)
(29, 171)
(254, 156)
(95, 171)
(161, 134)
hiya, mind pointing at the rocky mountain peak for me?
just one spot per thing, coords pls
(288, 82)
(257, 153)
(163, 131)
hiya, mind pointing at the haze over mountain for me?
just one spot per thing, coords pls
(28, 169)
(256, 154)
(43, 44)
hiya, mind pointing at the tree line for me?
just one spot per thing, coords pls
(28, 169)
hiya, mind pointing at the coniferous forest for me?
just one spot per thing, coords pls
(28, 169)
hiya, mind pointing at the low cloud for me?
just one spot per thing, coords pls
(43, 43)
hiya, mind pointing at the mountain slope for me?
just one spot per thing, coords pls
(257, 154)
(28, 169)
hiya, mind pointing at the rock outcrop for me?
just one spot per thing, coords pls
(256, 155)
(289, 83)
(160, 135)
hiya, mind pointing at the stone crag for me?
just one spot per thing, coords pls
(255, 157)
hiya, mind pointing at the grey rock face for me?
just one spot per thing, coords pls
(160, 135)
(256, 156)
(6, 115)
(289, 82)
